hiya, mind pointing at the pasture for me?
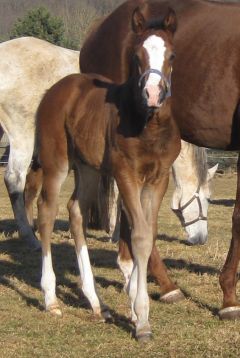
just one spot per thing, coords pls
(190, 328)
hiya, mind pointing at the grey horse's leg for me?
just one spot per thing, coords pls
(21, 150)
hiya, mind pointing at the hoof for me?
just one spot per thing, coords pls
(143, 333)
(173, 296)
(55, 311)
(106, 315)
(230, 313)
(144, 338)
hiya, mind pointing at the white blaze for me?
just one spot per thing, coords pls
(155, 47)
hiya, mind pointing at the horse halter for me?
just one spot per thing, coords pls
(167, 83)
(181, 208)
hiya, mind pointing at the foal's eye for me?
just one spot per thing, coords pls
(172, 57)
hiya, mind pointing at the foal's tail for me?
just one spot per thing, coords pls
(105, 213)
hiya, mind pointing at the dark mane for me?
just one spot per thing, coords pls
(200, 161)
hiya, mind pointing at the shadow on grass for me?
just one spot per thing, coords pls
(29, 300)
(202, 305)
(8, 226)
(223, 202)
(26, 267)
(181, 264)
(122, 322)
(213, 309)
(167, 238)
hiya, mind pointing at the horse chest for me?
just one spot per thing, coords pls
(146, 159)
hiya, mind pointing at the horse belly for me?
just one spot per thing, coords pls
(205, 88)
(91, 151)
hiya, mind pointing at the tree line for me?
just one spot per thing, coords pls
(64, 22)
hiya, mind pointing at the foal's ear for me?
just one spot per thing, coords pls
(170, 21)
(138, 21)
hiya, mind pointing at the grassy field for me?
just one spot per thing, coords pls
(188, 329)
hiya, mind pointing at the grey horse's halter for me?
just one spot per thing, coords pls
(167, 83)
(181, 208)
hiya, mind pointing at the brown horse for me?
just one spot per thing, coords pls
(205, 86)
(124, 130)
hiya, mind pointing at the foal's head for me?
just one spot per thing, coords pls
(153, 55)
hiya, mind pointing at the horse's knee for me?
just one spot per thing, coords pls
(142, 242)
(73, 208)
(75, 215)
(14, 180)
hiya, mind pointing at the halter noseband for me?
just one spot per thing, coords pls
(181, 208)
(167, 82)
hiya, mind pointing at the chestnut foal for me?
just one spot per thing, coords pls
(124, 130)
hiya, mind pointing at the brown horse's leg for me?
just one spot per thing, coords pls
(32, 187)
(47, 210)
(125, 255)
(228, 276)
(78, 222)
(151, 203)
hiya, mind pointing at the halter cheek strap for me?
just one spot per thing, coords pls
(167, 82)
(181, 208)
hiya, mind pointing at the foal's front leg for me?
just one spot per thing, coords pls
(142, 241)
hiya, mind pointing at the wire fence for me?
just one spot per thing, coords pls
(4, 150)
(226, 162)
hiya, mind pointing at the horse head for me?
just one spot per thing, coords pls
(153, 55)
(191, 196)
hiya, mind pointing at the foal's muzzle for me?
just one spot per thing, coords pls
(161, 91)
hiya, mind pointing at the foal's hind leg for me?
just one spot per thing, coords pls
(21, 150)
(78, 220)
(32, 187)
(228, 276)
(47, 210)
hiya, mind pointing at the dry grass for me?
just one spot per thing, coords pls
(188, 329)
